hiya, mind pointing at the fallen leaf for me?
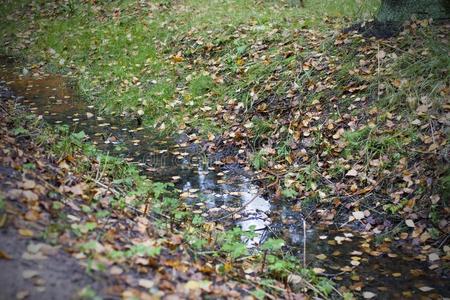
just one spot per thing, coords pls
(28, 184)
(358, 215)
(425, 288)
(355, 263)
(410, 223)
(339, 239)
(352, 173)
(22, 295)
(321, 256)
(433, 257)
(145, 283)
(196, 284)
(26, 232)
(4, 255)
(318, 270)
(368, 295)
(27, 274)
(115, 270)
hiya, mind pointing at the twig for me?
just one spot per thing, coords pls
(139, 212)
(444, 241)
(114, 191)
(304, 243)
(5, 110)
(239, 210)
(432, 133)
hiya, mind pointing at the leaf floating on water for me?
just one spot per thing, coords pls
(318, 270)
(339, 239)
(368, 295)
(358, 215)
(433, 257)
(425, 288)
(355, 263)
(410, 223)
(321, 256)
(27, 274)
(22, 295)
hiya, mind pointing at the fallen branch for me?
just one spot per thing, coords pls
(239, 210)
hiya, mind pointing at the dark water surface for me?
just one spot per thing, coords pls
(345, 256)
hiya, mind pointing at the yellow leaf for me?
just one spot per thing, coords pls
(321, 256)
(195, 285)
(177, 58)
(318, 270)
(228, 267)
(26, 232)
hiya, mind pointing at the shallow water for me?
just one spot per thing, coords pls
(212, 189)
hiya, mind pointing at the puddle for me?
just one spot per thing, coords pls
(344, 256)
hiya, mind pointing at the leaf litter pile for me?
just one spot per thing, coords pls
(341, 129)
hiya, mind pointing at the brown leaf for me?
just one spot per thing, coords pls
(352, 173)
(4, 255)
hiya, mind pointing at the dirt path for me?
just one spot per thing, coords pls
(30, 268)
(40, 275)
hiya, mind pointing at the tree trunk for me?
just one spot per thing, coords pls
(398, 11)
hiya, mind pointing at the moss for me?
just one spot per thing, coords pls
(399, 11)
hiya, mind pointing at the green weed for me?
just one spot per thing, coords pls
(258, 159)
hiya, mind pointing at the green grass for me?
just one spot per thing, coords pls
(125, 65)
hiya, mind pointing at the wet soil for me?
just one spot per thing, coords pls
(51, 280)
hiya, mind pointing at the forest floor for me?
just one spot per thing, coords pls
(347, 130)
(63, 236)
